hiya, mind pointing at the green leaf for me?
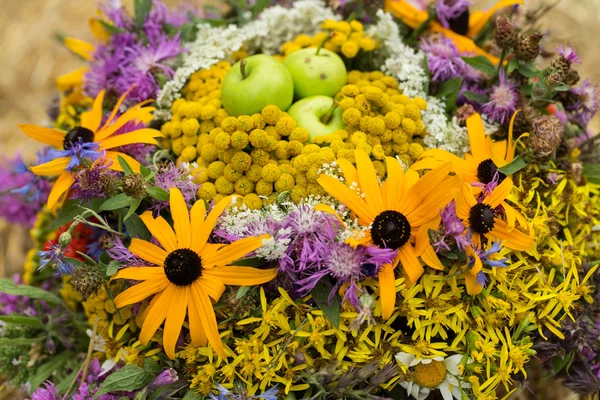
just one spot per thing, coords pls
(561, 88)
(512, 65)
(515, 165)
(527, 70)
(20, 341)
(8, 286)
(145, 172)
(46, 370)
(142, 9)
(259, 6)
(449, 91)
(111, 29)
(592, 172)
(481, 63)
(242, 292)
(112, 268)
(64, 383)
(151, 367)
(22, 320)
(249, 262)
(320, 294)
(129, 378)
(476, 97)
(158, 193)
(136, 228)
(135, 203)
(125, 165)
(190, 395)
(114, 203)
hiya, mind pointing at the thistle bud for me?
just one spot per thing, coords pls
(87, 280)
(546, 136)
(572, 78)
(105, 241)
(64, 239)
(555, 79)
(134, 185)
(505, 33)
(528, 47)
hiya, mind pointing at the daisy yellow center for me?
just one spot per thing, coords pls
(486, 171)
(430, 375)
(390, 230)
(79, 134)
(183, 267)
(481, 218)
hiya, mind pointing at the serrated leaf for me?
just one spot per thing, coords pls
(320, 295)
(136, 228)
(21, 320)
(125, 166)
(114, 203)
(476, 97)
(135, 203)
(481, 63)
(527, 70)
(129, 378)
(8, 286)
(515, 165)
(592, 172)
(158, 193)
(45, 370)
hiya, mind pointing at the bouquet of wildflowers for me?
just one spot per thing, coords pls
(307, 200)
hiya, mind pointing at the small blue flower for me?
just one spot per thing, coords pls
(55, 257)
(78, 151)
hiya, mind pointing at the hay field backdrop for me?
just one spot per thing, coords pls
(32, 58)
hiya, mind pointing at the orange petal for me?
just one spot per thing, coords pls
(156, 313)
(140, 273)
(181, 218)
(499, 193)
(175, 318)
(478, 19)
(208, 318)
(209, 224)
(348, 197)
(147, 251)
(53, 137)
(115, 166)
(511, 237)
(80, 47)
(406, 12)
(410, 263)
(232, 252)
(140, 136)
(91, 119)
(61, 186)
(464, 201)
(430, 258)
(387, 290)
(161, 230)
(140, 291)
(197, 333)
(368, 182)
(212, 287)
(197, 220)
(395, 176)
(71, 79)
(349, 171)
(142, 115)
(241, 276)
(51, 168)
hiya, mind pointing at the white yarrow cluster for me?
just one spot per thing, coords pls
(406, 65)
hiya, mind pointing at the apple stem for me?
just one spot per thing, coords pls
(322, 44)
(243, 69)
(327, 117)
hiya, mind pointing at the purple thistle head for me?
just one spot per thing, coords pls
(97, 180)
(173, 176)
(443, 58)
(453, 228)
(568, 54)
(503, 100)
(121, 253)
(448, 10)
(22, 193)
(114, 11)
(586, 106)
(47, 392)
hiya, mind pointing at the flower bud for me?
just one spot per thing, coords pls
(134, 185)
(166, 377)
(546, 136)
(64, 239)
(528, 47)
(505, 33)
(87, 280)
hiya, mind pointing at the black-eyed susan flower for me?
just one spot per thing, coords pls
(186, 273)
(91, 140)
(456, 22)
(399, 213)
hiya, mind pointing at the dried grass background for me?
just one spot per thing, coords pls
(32, 58)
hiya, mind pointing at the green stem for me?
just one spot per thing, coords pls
(327, 117)
(322, 44)
(502, 57)
(243, 69)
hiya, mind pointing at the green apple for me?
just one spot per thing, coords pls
(254, 83)
(316, 72)
(318, 115)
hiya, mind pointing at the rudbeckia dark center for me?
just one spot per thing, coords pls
(183, 267)
(76, 135)
(481, 218)
(460, 24)
(390, 230)
(487, 170)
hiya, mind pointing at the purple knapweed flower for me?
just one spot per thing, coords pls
(503, 100)
(448, 10)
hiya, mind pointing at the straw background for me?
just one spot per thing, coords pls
(32, 58)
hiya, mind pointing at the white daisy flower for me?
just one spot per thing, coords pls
(427, 374)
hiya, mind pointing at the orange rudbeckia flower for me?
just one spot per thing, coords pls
(95, 137)
(414, 18)
(399, 212)
(187, 273)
